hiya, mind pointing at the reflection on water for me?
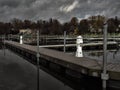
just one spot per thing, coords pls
(112, 55)
(18, 74)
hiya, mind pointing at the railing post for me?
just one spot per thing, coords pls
(11, 37)
(104, 75)
(79, 41)
(4, 45)
(38, 55)
(64, 41)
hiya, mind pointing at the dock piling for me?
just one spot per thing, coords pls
(4, 45)
(38, 55)
(64, 41)
(104, 75)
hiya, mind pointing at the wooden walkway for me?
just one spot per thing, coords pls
(86, 44)
(83, 65)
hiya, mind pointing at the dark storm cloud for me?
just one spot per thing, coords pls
(9, 3)
(60, 9)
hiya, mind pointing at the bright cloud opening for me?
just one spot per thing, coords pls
(69, 8)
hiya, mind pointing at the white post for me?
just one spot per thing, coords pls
(21, 39)
(79, 41)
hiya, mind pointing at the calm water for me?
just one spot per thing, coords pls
(112, 55)
(18, 74)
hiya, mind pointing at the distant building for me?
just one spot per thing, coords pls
(25, 31)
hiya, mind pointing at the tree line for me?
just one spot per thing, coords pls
(91, 25)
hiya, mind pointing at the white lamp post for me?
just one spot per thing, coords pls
(21, 39)
(79, 41)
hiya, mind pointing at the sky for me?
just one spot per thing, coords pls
(62, 10)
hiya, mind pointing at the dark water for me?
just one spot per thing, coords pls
(112, 55)
(18, 74)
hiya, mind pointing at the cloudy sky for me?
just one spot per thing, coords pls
(60, 9)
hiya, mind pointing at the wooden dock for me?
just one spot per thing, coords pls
(83, 45)
(82, 65)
